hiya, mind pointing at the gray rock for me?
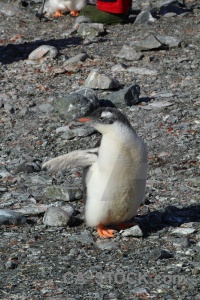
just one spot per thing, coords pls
(77, 104)
(79, 131)
(128, 95)
(157, 104)
(168, 41)
(10, 217)
(56, 216)
(182, 231)
(142, 71)
(89, 94)
(161, 254)
(81, 19)
(32, 210)
(65, 193)
(144, 17)
(148, 43)
(90, 30)
(77, 58)
(11, 264)
(4, 173)
(181, 242)
(119, 68)
(107, 245)
(129, 53)
(133, 231)
(46, 108)
(84, 238)
(27, 167)
(9, 10)
(97, 80)
(156, 42)
(43, 52)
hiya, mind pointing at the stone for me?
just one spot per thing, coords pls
(157, 104)
(43, 52)
(129, 53)
(133, 231)
(128, 95)
(4, 173)
(27, 167)
(97, 80)
(65, 193)
(144, 17)
(77, 104)
(182, 231)
(32, 210)
(161, 254)
(169, 41)
(46, 108)
(181, 242)
(148, 43)
(11, 264)
(81, 19)
(90, 30)
(85, 238)
(142, 71)
(119, 68)
(107, 245)
(79, 132)
(9, 9)
(75, 59)
(89, 94)
(11, 217)
(56, 216)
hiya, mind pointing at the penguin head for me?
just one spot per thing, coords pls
(107, 119)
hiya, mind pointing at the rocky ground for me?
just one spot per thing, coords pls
(40, 95)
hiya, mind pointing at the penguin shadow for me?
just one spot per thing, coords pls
(172, 216)
(16, 52)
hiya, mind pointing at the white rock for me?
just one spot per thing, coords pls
(142, 71)
(183, 231)
(133, 231)
(43, 52)
(129, 53)
(96, 80)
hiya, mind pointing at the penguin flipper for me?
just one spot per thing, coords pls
(77, 158)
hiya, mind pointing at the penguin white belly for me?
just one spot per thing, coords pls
(115, 188)
(59, 4)
(76, 4)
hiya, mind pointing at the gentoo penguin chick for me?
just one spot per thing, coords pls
(74, 6)
(115, 176)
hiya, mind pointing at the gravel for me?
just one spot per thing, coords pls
(46, 64)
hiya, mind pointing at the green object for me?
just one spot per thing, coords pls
(99, 16)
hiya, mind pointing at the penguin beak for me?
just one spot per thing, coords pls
(84, 120)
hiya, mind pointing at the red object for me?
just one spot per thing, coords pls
(114, 6)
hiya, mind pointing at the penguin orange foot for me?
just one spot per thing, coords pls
(105, 232)
(74, 13)
(58, 14)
